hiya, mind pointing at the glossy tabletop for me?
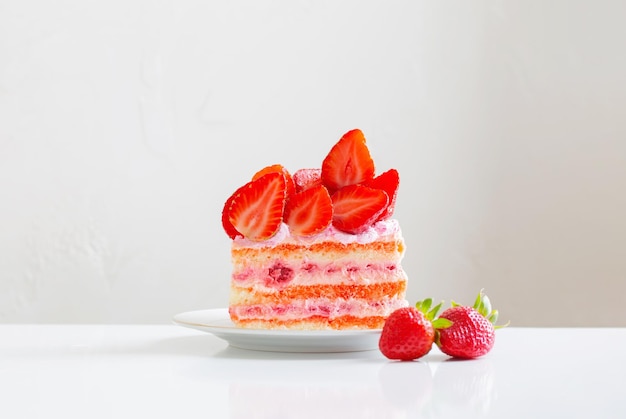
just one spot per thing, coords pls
(166, 371)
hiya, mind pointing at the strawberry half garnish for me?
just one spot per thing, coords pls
(307, 178)
(357, 207)
(388, 182)
(278, 168)
(256, 209)
(229, 228)
(309, 212)
(348, 162)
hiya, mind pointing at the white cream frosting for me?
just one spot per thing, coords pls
(389, 229)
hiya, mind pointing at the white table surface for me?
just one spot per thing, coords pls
(166, 371)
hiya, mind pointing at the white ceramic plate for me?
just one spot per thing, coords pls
(217, 322)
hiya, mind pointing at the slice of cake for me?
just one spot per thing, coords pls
(319, 249)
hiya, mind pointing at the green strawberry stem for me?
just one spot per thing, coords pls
(425, 307)
(441, 323)
(482, 304)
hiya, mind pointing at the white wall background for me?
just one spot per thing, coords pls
(124, 125)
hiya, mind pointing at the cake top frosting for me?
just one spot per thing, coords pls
(344, 197)
(382, 230)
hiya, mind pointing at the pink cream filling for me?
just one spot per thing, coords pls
(319, 307)
(278, 275)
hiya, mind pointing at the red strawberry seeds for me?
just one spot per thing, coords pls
(472, 329)
(461, 331)
(409, 332)
(406, 335)
(471, 335)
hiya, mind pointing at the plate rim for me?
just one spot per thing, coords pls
(232, 329)
(281, 340)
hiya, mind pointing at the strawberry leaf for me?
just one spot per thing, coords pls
(441, 323)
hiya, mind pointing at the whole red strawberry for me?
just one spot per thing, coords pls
(409, 332)
(471, 333)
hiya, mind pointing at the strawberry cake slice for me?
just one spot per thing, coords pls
(318, 250)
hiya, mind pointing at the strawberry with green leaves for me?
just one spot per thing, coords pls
(471, 333)
(409, 332)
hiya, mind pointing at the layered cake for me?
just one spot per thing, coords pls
(318, 249)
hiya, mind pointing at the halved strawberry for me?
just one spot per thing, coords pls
(388, 182)
(256, 210)
(307, 178)
(291, 188)
(348, 162)
(229, 228)
(309, 212)
(357, 207)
